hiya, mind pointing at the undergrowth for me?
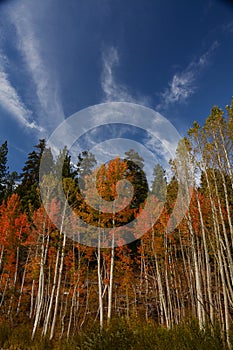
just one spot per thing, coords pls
(120, 334)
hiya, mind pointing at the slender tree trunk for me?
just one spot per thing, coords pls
(207, 263)
(40, 292)
(22, 284)
(58, 287)
(111, 274)
(100, 282)
(48, 315)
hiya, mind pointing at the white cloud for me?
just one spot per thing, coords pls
(113, 90)
(228, 27)
(50, 109)
(182, 85)
(10, 101)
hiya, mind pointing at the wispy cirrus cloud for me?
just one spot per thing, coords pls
(114, 90)
(50, 110)
(117, 92)
(228, 27)
(11, 101)
(183, 84)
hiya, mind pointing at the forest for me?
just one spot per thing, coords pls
(168, 289)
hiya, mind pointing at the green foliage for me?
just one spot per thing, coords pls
(28, 189)
(135, 167)
(3, 170)
(172, 192)
(86, 163)
(62, 166)
(120, 334)
(159, 185)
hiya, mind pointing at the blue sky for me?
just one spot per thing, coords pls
(58, 57)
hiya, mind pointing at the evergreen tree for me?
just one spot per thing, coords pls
(12, 182)
(84, 167)
(86, 164)
(135, 167)
(159, 185)
(31, 168)
(64, 161)
(3, 170)
(172, 192)
(28, 189)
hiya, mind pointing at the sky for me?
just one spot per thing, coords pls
(59, 57)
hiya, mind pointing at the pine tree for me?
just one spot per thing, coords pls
(84, 167)
(64, 162)
(3, 170)
(135, 167)
(86, 163)
(159, 185)
(28, 189)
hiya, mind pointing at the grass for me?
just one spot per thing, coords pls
(120, 334)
